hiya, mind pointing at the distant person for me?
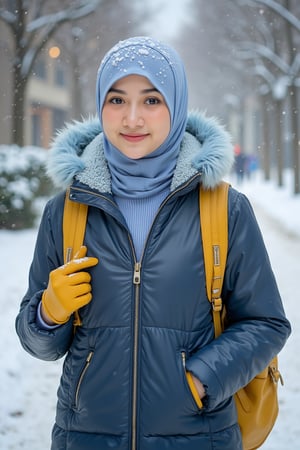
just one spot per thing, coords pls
(239, 164)
(143, 371)
(251, 165)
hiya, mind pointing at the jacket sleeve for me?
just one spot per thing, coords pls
(257, 327)
(41, 343)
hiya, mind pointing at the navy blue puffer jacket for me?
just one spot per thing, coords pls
(123, 384)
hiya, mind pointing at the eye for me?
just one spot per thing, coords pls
(115, 100)
(153, 101)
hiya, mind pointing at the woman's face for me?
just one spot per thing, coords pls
(135, 116)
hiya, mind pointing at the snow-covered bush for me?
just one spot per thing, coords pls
(22, 184)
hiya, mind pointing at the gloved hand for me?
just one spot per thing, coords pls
(68, 288)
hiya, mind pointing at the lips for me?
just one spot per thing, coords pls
(134, 137)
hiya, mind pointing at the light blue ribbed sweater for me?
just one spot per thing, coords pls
(139, 214)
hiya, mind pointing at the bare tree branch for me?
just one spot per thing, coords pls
(251, 49)
(277, 7)
(72, 13)
(8, 17)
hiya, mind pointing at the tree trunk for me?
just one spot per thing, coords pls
(77, 109)
(19, 80)
(265, 157)
(278, 142)
(293, 96)
(295, 138)
(18, 108)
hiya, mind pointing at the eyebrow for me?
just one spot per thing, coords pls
(144, 91)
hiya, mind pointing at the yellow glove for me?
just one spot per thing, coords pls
(68, 289)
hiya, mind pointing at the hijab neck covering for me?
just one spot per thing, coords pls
(152, 174)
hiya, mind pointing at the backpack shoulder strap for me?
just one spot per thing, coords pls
(74, 223)
(213, 206)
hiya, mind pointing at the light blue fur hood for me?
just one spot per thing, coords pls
(77, 152)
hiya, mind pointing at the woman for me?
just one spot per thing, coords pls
(146, 320)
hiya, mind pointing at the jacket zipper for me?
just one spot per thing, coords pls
(85, 368)
(136, 282)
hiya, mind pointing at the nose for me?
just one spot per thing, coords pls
(133, 117)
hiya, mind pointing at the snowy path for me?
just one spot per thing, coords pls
(28, 386)
(284, 251)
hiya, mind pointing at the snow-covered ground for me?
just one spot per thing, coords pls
(28, 386)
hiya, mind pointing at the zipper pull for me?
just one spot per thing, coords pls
(89, 357)
(137, 273)
(183, 357)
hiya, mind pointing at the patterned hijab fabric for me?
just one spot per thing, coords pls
(145, 56)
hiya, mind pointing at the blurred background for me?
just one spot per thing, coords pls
(242, 59)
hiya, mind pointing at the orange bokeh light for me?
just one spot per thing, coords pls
(54, 52)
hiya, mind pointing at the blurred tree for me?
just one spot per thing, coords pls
(250, 48)
(32, 24)
(280, 63)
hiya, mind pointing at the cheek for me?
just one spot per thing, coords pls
(165, 123)
(106, 115)
(109, 120)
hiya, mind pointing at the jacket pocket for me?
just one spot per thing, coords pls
(81, 378)
(190, 383)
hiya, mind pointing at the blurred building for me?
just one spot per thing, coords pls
(48, 97)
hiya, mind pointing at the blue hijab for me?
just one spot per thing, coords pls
(152, 174)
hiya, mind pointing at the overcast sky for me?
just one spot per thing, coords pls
(169, 18)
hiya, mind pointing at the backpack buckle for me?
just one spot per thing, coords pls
(275, 375)
(217, 304)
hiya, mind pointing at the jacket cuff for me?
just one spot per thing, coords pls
(40, 321)
(213, 387)
(194, 390)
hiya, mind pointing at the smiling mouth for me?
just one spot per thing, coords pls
(134, 137)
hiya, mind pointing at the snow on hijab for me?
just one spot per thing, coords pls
(152, 174)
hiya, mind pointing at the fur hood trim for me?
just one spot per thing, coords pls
(77, 152)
